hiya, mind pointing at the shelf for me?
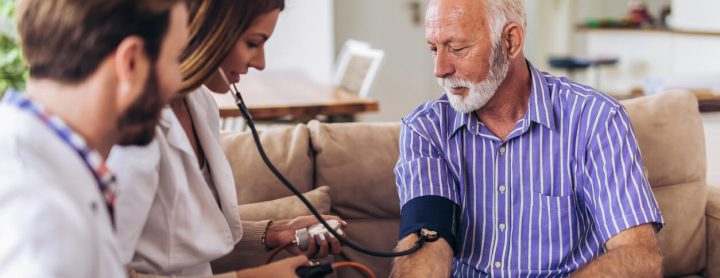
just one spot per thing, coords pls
(651, 30)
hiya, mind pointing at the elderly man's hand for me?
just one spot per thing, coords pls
(281, 232)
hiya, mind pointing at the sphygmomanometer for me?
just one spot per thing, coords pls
(425, 213)
(428, 217)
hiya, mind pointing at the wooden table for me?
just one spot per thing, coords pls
(709, 103)
(278, 95)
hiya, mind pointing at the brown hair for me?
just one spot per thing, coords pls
(66, 40)
(215, 26)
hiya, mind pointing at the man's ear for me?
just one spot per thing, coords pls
(513, 40)
(132, 67)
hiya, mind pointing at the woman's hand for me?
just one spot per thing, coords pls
(281, 269)
(281, 232)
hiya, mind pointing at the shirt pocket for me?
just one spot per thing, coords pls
(553, 203)
(549, 223)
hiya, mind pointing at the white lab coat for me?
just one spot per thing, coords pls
(167, 217)
(53, 219)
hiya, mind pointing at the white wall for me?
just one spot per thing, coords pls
(405, 78)
(650, 57)
(698, 15)
(551, 24)
(303, 39)
(712, 144)
(548, 31)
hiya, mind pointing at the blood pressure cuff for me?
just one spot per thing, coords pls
(434, 213)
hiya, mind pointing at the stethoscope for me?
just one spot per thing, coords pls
(424, 236)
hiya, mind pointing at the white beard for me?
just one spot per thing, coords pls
(479, 93)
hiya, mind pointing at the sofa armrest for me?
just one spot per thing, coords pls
(712, 212)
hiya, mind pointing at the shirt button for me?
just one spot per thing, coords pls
(502, 188)
(498, 265)
(502, 226)
(502, 150)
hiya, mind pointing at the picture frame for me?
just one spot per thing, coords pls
(357, 67)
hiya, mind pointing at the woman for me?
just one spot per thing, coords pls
(177, 208)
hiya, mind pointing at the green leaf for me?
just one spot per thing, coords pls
(13, 70)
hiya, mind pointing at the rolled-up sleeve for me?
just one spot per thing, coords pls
(421, 169)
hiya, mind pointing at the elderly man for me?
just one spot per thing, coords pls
(521, 173)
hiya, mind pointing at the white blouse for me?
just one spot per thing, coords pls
(168, 218)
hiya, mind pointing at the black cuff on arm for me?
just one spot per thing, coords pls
(434, 213)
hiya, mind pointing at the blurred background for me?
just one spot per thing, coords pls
(624, 48)
(375, 51)
(632, 47)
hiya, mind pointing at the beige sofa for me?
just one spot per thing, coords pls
(356, 161)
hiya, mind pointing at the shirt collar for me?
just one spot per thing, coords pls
(461, 119)
(540, 108)
(11, 96)
(165, 117)
(93, 160)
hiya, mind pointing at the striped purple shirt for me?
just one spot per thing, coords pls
(544, 201)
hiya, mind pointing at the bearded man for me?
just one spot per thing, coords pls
(520, 173)
(98, 69)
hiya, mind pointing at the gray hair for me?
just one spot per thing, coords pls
(500, 13)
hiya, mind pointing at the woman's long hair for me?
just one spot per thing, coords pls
(215, 26)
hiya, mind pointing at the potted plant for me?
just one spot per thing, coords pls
(13, 70)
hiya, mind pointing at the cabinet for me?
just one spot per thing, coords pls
(650, 57)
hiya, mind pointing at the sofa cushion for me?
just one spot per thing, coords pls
(669, 131)
(288, 148)
(356, 160)
(683, 239)
(287, 207)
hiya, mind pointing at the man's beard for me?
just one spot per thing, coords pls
(137, 125)
(479, 93)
